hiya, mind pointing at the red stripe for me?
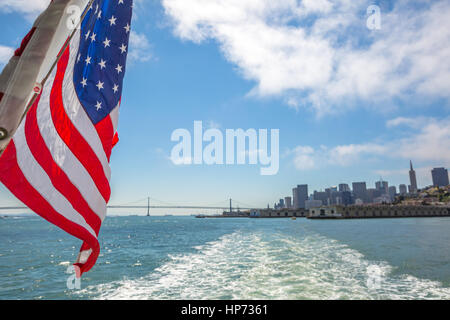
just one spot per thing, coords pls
(25, 42)
(105, 131)
(115, 140)
(12, 177)
(70, 135)
(58, 177)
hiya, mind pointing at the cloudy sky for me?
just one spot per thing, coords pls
(351, 103)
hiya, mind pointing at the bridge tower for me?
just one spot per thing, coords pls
(231, 207)
(148, 207)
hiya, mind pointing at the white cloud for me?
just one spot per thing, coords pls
(304, 158)
(428, 143)
(139, 47)
(30, 8)
(5, 54)
(410, 122)
(310, 53)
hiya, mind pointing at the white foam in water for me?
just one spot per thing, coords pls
(249, 266)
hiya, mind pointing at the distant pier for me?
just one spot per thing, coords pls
(378, 211)
(342, 212)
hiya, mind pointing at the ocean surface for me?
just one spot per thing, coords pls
(188, 258)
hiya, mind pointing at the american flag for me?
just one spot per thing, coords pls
(58, 160)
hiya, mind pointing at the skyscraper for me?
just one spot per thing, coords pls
(412, 179)
(343, 187)
(322, 196)
(288, 202)
(300, 195)
(347, 198)
(382, 186)
(372, 194)
(440, 177)
(360, 191)
(402, 189)
(392, 192)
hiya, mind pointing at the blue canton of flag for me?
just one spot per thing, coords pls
(101, 60)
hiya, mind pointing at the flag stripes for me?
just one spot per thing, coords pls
(58, 160)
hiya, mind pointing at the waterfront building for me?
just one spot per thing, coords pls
(372, 194)
(392, 192)
(284, 213)
(288, 202)
(384, 198)
(360, 191)
(329, 192)
(313, 204)
(382, 186)
(347, 198)
(335, 197)
(343, 187)
(379, 211)
(322, 196)
(300, 195)
(402, 189)
(412, 179)
(440, 177)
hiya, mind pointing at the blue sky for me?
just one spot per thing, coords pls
(351, 104)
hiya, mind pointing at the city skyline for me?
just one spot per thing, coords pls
(382, 191)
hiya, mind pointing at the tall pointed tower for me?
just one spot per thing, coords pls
(412, 178)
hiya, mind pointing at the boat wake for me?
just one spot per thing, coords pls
(260, 266)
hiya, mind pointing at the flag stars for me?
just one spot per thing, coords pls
(102, 64)
(112, 21)
(99, 85)
(101, 60)
(106, 43)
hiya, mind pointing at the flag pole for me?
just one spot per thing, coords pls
(4, 134)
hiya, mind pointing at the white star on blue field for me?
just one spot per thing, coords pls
(351, 103)
(99, 87)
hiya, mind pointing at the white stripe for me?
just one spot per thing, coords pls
(76, 112)
(64, 157)
(39, 180)
(83, 256)
(115, 117)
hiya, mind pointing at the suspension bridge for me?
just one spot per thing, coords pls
(151, 203)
